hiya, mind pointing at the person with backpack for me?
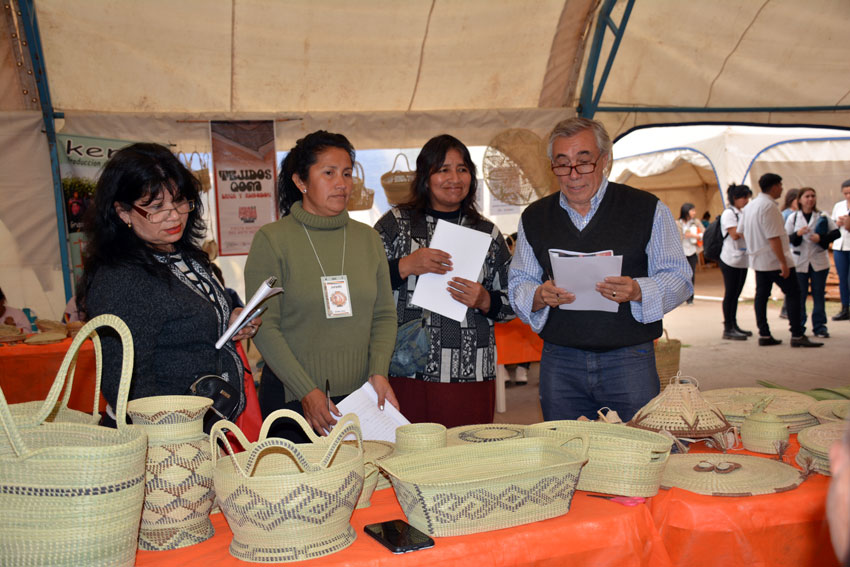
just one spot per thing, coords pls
(733, 261)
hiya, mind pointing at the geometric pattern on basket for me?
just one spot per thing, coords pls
(500, 434)
(292, 552)
(173, 470)
(168, 417)
(56, 492)
(173, 538)
(448, 508)
(304, 503)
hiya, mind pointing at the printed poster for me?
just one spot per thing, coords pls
(80, 161)
(245, 181)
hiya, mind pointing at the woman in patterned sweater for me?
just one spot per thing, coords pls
(456, 386)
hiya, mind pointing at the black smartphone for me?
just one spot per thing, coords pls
(398, 536)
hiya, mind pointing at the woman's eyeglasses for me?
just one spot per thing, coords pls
(163, 214)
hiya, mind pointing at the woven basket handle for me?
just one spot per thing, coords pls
(13, 435)
(358, 171)
(219, 433)
(98, 361)
(349, 423)
(71, 360)
(400, 154)
(294, 416)
(585, 445)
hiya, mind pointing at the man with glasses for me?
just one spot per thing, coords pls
(596, 359)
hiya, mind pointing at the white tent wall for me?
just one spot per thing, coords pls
(30, 268)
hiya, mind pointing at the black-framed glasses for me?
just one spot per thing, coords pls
(163, 214)
(581, 168)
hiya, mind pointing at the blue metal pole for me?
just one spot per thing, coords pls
(587, 99)
(33, 36)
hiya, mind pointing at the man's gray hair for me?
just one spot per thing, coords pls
(572, 126)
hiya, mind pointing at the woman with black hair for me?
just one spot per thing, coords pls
(733, 261)
(456, 386)
(335, 322)
(691, 230)
(143, 263)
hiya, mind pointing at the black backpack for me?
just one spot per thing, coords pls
(712, 241)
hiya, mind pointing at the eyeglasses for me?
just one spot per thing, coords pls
(163, 214)
(581, 168)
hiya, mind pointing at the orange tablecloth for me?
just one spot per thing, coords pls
(773, 530)
(28, 371)
(516, 342)
(594, 532)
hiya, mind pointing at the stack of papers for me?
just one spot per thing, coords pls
(375, 425)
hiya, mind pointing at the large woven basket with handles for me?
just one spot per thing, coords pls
(285, 501)
(71, 493)
(620, 460)
(361, 196)
(480, 487)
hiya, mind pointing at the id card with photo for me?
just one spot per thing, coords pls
(337, 297)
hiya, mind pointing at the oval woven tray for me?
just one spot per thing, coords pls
(484, 433)
(756, 475)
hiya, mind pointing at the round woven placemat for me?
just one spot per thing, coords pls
(46, 338)
(374, 450)
(817, 439)
(739, 402)
(824, 410)
(755, 475)
(842, 411)
(484, 433)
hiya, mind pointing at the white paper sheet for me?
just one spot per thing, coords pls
(264, 292)
(580, 275)
(468, 249)
(375, 425)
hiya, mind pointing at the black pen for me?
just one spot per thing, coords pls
(328, 394)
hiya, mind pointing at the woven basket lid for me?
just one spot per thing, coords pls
(681, 409)
(817, 439)
(484, 433)
(824, 410)
(516, 168)
(753, 475)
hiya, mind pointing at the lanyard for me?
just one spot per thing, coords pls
(342, 270)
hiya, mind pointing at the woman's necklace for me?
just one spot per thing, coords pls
(335, 292)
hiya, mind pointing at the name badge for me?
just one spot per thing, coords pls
(337, 298)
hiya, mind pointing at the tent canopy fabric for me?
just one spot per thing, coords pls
(391, 74)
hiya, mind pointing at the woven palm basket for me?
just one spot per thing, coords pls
(668, 353)
(824, 410)
(736, 403)
(398, 183)
(620, 460)
(480, 487)
(284, 501)
(681, 410)
(373, 451)
(748, 476)
(71, 493)
(416, 437)
(361, 196)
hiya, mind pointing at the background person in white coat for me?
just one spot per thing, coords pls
(810, 232)
(841, 251)
(733, 261)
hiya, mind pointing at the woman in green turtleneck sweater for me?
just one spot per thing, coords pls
(317, 331)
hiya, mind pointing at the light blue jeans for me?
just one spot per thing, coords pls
(576, 382)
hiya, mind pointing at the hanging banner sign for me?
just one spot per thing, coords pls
(245, 181)
(80, 160)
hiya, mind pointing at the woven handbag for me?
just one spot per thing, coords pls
(620, 460)
(667, 358)
(71, 494)
(361, 197)
(285, 501)
(478, 487)
(398, 183)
